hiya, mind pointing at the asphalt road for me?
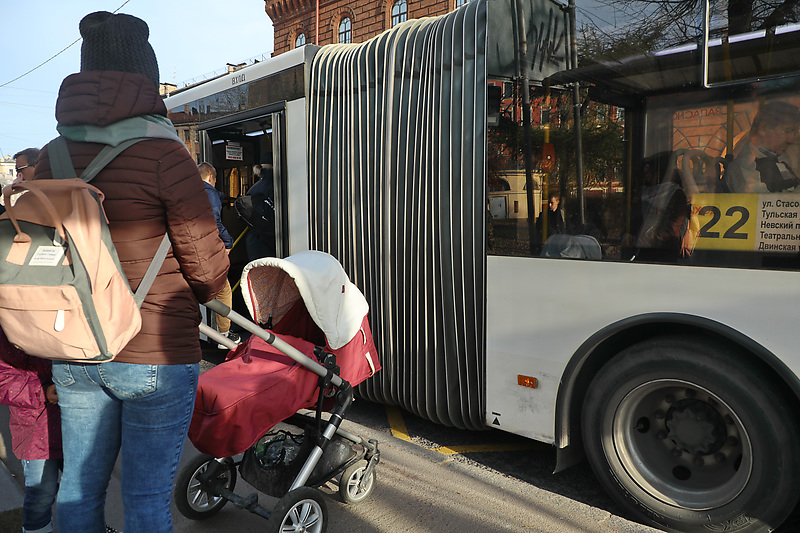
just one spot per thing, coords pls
(419, 489)
(438, 479)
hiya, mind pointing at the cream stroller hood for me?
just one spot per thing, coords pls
(271, 286)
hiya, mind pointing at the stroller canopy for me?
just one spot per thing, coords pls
(271, 287)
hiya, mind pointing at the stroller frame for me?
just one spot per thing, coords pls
(212, 476)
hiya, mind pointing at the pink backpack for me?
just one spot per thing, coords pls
(63, 293)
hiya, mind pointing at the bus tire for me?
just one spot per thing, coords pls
(688, 437)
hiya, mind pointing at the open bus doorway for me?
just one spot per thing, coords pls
(234, 149)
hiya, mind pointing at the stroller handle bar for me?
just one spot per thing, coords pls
(298, 356)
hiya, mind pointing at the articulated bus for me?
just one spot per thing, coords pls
(587, 235)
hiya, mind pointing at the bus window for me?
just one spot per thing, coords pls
(674, 172)
(549, 204)
(734, 164)
(675, 179)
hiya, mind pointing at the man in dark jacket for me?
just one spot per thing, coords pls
(555, 218)
(261, 237)
(138, 406)
(25, 162)
(209, 175)
(759, 166)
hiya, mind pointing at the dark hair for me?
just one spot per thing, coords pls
(31, 154)
(774, 114)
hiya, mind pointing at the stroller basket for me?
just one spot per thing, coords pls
(285, 454)
(273, 463)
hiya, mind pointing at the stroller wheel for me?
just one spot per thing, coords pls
(300, 510)
(353, 486)
(195, 500)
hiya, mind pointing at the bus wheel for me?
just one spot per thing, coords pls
(687, 436)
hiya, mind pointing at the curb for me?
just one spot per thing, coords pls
(11, 502)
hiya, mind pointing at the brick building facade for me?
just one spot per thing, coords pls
(294, 21)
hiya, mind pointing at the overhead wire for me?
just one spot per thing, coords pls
(55, 56)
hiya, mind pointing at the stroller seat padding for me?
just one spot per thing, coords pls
(241, 399)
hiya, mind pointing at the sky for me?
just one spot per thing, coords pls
(191, 39)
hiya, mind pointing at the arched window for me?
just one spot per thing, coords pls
(300, 41)
(345, 31)
(501, 184)
(399, 12)
(460, 3)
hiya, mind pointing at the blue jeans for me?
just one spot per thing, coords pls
(142, 411)
(41, 486)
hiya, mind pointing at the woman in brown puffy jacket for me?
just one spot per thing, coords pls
(138, 406)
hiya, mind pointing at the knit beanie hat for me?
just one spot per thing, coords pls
(117, 42)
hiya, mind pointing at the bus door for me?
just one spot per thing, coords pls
(235, 147)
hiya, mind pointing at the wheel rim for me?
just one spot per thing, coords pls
(681, 444)
(355, 490)
(304, 516)
(199, 497)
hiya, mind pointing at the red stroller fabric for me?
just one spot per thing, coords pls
(240, 400)
(258, 386)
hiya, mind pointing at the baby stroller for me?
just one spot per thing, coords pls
(266, 401)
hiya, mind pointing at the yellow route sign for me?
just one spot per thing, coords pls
(747, 222)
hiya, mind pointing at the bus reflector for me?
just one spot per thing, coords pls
(526, 381)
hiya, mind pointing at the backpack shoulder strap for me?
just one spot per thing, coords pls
(105, 156)
(152, 271)
(61, 161)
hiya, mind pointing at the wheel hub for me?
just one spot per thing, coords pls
(696, 427)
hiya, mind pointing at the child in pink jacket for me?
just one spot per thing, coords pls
(27, 388)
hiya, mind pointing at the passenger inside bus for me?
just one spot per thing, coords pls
(664, 208)
(261, 215)
(760, 165)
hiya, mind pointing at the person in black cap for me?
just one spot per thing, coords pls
(117, 43)
(139, 406)
(260, 240)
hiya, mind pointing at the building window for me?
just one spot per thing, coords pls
(500, 184)
(300, 41)
(460, 3)
(345, 31)
(399, 12)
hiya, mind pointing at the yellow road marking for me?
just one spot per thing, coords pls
(397, 425)
(477, 448)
